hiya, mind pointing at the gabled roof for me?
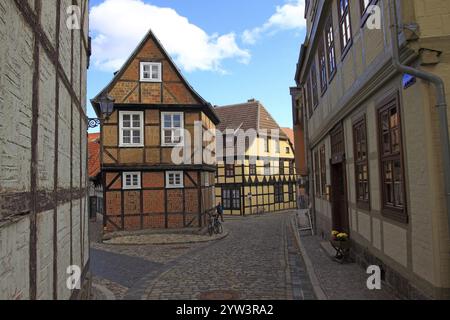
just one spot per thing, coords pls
(290, 134)
(118, 74)
(93, 155)
(245, 116)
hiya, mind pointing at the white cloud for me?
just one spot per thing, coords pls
(290, 16)
(119, 25)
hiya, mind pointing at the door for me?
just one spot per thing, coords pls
(339, 205)
(339, 198)
(93, 208)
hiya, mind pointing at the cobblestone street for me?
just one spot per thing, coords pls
(258, 260)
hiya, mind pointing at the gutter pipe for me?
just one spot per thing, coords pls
(441, 103)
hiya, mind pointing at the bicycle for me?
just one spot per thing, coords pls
(214, 225)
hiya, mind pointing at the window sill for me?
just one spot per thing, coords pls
(131, 188)
(165, 145)
(131, 146)
(151, 81)
(174, 187)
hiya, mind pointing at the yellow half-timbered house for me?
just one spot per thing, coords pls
(259, 176)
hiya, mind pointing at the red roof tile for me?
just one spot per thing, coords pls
(93, 154)
(245, 116)
(290, 133)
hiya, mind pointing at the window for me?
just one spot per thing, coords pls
(229, 170)
(391, 165)
(206, 179)
(281, 167)
(361, 163)
(315, 95)
(322, 66)
(291, 192)
(288, 150)
(331, 53)
(174, 179)
(252, 169)
(277, 146)
(131, 129)
(317, 173)
(231, 199)
(131, 180)
(365, 5)
(345, 26)
(266, 142)
(323, 171)
(365, 13)
(172, 128)
(291, 168)
(279, 193)
(267, 169)
(151, 72)
(309, 97)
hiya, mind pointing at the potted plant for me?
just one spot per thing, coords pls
(341, 243)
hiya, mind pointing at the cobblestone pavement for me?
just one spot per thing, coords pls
(258, 260)
(340, 281)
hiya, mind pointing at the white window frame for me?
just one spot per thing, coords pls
(174, 185)
(131, 187)
(141, 129)
(151, 64)
(163, 128)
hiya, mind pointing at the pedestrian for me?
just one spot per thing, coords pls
(219, 210)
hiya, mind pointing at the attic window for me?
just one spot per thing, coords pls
(151, 71)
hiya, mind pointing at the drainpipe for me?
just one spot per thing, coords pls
(441, 103)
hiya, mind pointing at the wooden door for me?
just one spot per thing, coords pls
(339, 198)
(339, 204)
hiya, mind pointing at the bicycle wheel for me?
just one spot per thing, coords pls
(211, 229)
(218, 228)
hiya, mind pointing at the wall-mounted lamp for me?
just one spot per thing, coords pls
(106, 108)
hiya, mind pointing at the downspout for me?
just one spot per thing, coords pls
(441, 103)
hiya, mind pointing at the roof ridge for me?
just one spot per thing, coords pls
(237, 105)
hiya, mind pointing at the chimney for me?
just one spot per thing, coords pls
(251, 100)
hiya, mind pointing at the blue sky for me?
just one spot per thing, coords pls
(229, 51)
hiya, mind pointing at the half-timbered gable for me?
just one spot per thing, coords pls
(261, 175)
(155, 111)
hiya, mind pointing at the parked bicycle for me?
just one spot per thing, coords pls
(214, 225)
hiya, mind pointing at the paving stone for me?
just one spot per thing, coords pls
(340, 281)
(258, 260)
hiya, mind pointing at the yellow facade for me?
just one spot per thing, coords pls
(252, 188)
(412, 250)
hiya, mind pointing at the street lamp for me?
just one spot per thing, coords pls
(106, 108)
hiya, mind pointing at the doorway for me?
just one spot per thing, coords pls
(339, 198)
(339, 203)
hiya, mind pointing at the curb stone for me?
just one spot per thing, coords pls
(320, 294)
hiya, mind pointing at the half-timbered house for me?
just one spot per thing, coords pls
(43, 153)
(261, 175)
(155, 111)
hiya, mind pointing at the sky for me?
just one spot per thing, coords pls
(229, 51)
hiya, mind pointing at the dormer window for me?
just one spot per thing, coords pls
(151, 71)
